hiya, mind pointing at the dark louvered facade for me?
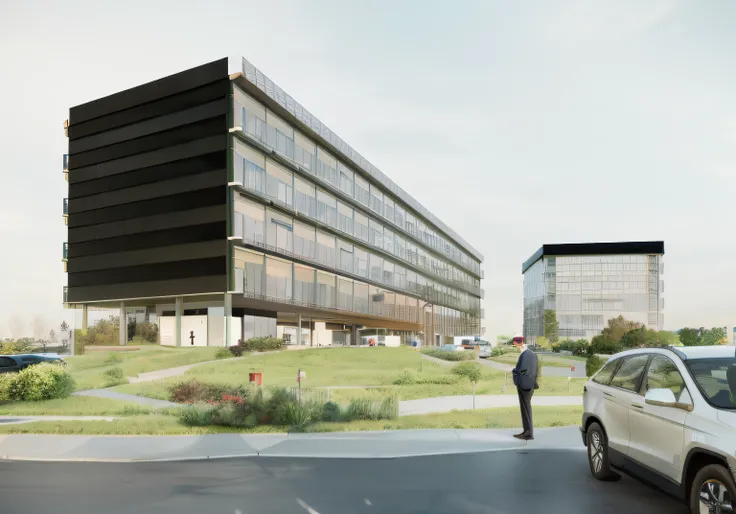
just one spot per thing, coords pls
(148, 194)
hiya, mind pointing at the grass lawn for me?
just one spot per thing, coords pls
(74, 406)
(169, 425)
(88, 370)
(562, 361)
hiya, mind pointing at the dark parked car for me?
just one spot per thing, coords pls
(10, 363)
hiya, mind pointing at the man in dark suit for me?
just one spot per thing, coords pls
(525, 380)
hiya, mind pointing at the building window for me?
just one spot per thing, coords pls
(346, 258)
(346, 179)
(250, 115)
(360, 297)
(399, 214)
(344, 294)
(253, 219)
(280, 232)
(305, 241)
(362, 194)
(344, 218)
(305, 197)
(388, 273)
(376, 234)
(325, 249)
(376, 200)
(376, 266)
(361, 262)
(388, 240)
(388, 209)
(254, 267)
(400, 247)
(326, 167)
(278, 278)
(304, 284)
(361, 227)
(325, 289)
(279, 184)
(400, 277)
(326, 209)
(304, 151)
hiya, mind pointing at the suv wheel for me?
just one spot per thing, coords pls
(713, 490)
(600, 466)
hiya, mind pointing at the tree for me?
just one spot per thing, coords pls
(604, 344)
(52, 336)
(17, 326)
(689, 336)
(617, 327)
(637, 338)
(667, 338)
(503, 339)
(64, 327)
(471, 371)
(39, 325)
(543, 342)
(551, 325)
(714, 336)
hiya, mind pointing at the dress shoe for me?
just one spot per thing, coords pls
(524, 437)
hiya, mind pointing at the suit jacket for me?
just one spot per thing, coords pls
(525, 372)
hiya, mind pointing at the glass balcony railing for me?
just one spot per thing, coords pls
(65, 294)
(66, 207)
(65, 251)
(65, 163)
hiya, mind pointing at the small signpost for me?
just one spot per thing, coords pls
(300, 375)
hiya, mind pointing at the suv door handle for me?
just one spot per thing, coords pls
(637, 405)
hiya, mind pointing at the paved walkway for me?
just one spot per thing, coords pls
(15, 420)
(140, 400)
(465, 402)
(356, 445)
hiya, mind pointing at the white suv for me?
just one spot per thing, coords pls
(668, 417)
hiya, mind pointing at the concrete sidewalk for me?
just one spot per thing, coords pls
(22, 418)
(490, 401)
(352, 445)
(140, 400)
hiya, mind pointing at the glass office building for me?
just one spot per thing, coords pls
(582, 286)
(317, 226)
(212, 194)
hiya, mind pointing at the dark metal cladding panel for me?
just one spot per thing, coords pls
(612, 248)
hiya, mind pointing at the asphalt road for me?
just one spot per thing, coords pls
(507, 482)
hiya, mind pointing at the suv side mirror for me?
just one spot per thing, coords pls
(663, 397)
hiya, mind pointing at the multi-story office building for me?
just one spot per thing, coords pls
(582, 286)
(214, 196)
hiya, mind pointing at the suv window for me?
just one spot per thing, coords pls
(629, 374)
(606, 372)
(663, 373)
(6, 362)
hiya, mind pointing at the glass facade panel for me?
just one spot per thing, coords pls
(279, 183)
(361, 227)
(376, 200)
(346, 179)
(280, 231)
(305, 241)
(254, 272)
(325, 289)
(362, 193)
(360, 297)
(325, 249)
(376, 234)
(346, 258)
(326, 208)
(388, 241)
(278, 278)
(254, 216)
(304, 284)
(388, 273)
(305, 197)
(399, 216)
(400, 248)
(344, 294)
(388, 209)
(304, 151)
(345, 218)
(327, 167)
(376, 266)
(361, 262)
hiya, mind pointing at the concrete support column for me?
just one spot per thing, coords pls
(85, 318)
(299, 331)
(123, 325)
(311, 332)
(177, 324)
(228, 318)
(434, 340)
(355, 338)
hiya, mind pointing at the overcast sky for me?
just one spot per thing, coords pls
(517, 123)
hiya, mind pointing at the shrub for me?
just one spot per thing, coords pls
(43, 381)
(5, 380)
(449, 356)
(18, 347)
(407, 377)
(147, 331)
(80, 341)
(497, 351)
(223, 353)
(469, 370)
(579, 347)
(197, 392)
(604, 344)
(113, 358)
(262, 344)
(592, 364)
(389, 407)
(297, 416)
(114, 376)
(438, 379)
(331, 412)
(196, 416)
(359, 409)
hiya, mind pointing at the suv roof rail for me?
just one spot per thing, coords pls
(677, 352)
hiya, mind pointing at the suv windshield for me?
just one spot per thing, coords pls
(716, 378)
